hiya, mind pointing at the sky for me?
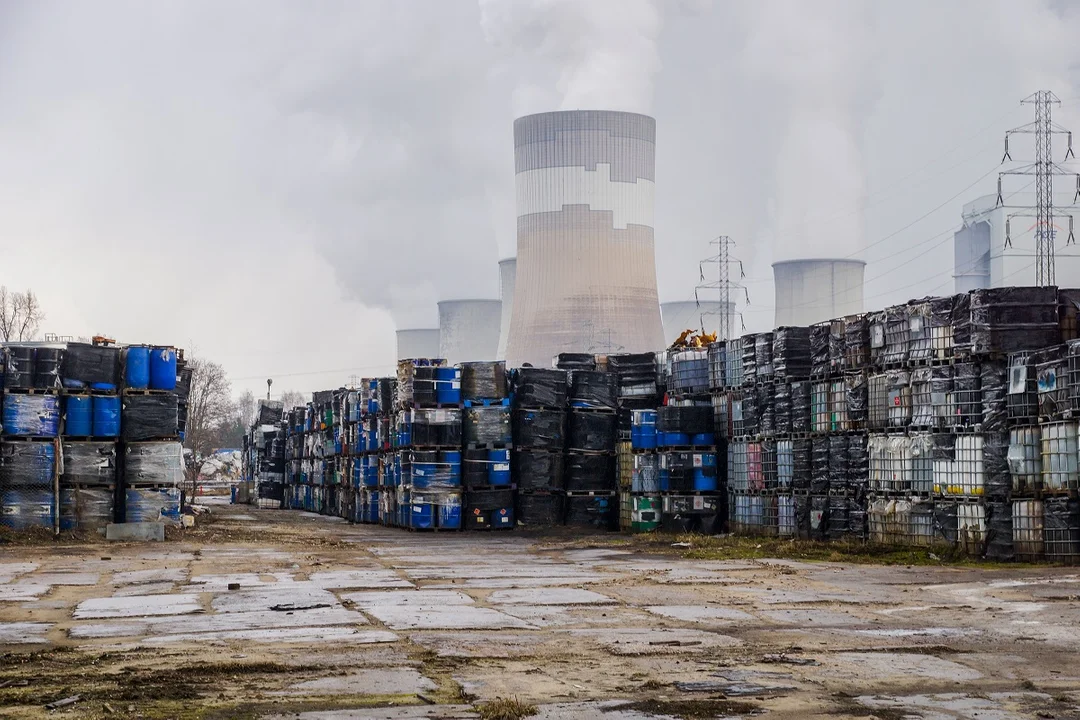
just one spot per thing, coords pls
(276, 185)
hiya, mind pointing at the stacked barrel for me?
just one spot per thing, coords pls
(590, 470)
(638, 390)
(539, 428)
(487, 444)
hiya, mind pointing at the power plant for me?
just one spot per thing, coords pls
(586, 272)
(468, 330)
(417, 343)
(507, 274)
(813, 290)
(693, 315)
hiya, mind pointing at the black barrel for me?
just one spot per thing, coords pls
(424, 386)
(47, 367)
(19, 367)
(543, 429)
(592, 431)
(483, 380)
(540, 388)
(538, 471)
(590, 472)
(689, 419)
(91, 363)
(539, 509)
(474, 468)
(489, 509)
(575, 361)
(596, 512)
(593, 389)
(149, 417)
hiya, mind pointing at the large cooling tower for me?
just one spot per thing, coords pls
(418, 343)
(811, 291)
(469, 330)
(507, 271)
(690, 315)
(586, 272)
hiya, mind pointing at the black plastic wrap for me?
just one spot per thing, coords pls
(689, 371)
(539, 509)
(819, 349)
(858, 465)
(782, 408)
(483, 380)
(487, 425)
(856, 342)
(838, 461)
(385, 392)
(153, 463)
(689, 419)
(474, 468)
(751, 414)
(856, 390)
(148, 417)
(1061, 528)
(997, 481)
(575, 361)
(838, 521)
(857, 517)
(27, 465)
(800, 406)
(999, 527)
(801, 505)
(1009, 319)
(540, 388)
(183, 382)
(91, 364)
(994, 383)
(593, 431)
(819, 466)
(801, 456)
(484, 509)
(538, 471)
(763, 359)
(942, 310)
(89, 463)
(18, 367)
(819, 517)
(441, 427)
(270, 411)
(749, 359)
(766, 410)
(592, 389)
(593, 512)
(590, 472)
(967, 399)
(47, 367)
(791, 352)
(539, 428)
(636, 375)
(945, 521)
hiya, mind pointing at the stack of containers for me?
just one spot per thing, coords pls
(539, 430)
(386, 437)
(153, 458)
(690, 479)
(29, 480)
(639, 387)
(264, 456)
(487, 443)
(427, 462)
(590, 466)
(364, 443)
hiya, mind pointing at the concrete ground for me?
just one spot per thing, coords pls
(264, 613)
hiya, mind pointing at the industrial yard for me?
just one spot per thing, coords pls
(262, 613)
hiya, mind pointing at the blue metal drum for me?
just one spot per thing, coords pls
(447, 386)
(705, 475)
(450, 511)
(137, 367)
(498, 467)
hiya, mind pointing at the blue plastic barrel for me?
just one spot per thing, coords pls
(705, 476)
(665, 480)
(674, 439)
(703, 440)
(450, 465)
(498, 467)
(421, 515)
(447, 385)
(137, 367)
(450, 512)
(643, 433)
(358, 473)
(163, 368)
(152, 504)
(26, 508)
(78, 416)
(106, 416)
(31, 415)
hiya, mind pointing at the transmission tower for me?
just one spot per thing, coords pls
(722, 286)
(1043, 169)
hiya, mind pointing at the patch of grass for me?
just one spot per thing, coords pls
(690, 709)
(505, 709)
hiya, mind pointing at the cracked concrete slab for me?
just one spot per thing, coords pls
(137, 606)
(23, 633)
(702, 613)
(388, 681)
(549, 596)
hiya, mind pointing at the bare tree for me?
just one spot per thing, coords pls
(292, 398)
(247, 408)
(20, 315)
(210, 413)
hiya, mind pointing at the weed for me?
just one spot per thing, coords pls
(505, 709)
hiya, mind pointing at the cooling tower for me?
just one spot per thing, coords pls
(507, 271)
(469, 330)
(586, 272)
(418, 343)
(811, 291)
(688, 314)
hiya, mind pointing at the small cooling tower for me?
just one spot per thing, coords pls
(586, 267)
(507, 272)
(469, 330)
(812, 291)
(679, 316)
(418, 343)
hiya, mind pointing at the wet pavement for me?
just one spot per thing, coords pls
(293, 615)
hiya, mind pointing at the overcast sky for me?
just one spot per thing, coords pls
(274, 185)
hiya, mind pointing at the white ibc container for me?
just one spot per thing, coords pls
(964, 473)
(1059, 455)
(1028, 542)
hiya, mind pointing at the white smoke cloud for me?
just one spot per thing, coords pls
(571, 54)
